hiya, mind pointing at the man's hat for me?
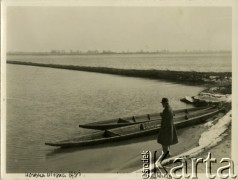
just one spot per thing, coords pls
(165, 100)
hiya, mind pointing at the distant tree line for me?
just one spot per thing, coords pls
(92, 52)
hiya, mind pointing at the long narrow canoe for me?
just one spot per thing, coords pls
(126, 121)
(132, 131)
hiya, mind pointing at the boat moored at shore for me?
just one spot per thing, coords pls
(132, 131)
(126, 121)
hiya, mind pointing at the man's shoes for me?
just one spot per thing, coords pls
(165, 156)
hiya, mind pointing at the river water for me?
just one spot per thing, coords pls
(45, 104)
(220, 62)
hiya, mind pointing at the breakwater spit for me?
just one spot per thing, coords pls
(191, 77)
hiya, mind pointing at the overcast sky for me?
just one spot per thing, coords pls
(118, 28)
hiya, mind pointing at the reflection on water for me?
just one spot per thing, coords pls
(46, 104)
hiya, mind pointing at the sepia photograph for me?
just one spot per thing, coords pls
(117, 89)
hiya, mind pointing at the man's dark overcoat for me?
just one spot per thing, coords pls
(167, 133)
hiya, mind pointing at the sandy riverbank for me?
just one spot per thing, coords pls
(222, 150)
(124, 157)
(213, 143)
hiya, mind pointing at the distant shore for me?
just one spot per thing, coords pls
(95, 52)
(185, 77)
(188, 137)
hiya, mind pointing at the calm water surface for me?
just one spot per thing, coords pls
(179, 62)
(46, 104)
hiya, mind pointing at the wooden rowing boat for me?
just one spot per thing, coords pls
(132, 131)
(126, 121)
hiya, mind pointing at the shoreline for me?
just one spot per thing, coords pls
(188, 139)
(183, 77)
(161, 53)
(216, 139)
(219, 151)
(132, 164)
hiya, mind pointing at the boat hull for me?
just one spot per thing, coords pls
(134, 131)
(116, 123)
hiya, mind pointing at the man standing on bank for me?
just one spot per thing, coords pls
(167, 134)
